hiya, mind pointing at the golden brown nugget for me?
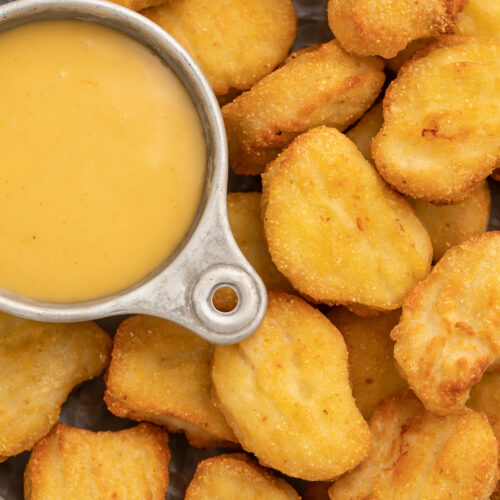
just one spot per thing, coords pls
(40, 364)
(243, 210)
(336, 230)
(449, 225)
(285, 392)
(235, 42)
(160, 372)
(77, 464)
(449, 332)
(480, 17)
(385, 27)
(236, 476)
(139, 4)
(323, 86)
(441, 132)
(418, 455)
(485, 397)
(372, 368)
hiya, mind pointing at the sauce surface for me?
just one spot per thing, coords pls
(102, 161)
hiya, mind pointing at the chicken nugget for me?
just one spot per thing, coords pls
(441, 132)
(485, 397)
(372, 368)
(449, 332)
(235, 42)
(227, 477)
(40, 364)
(385, 27)
(336, 230)
(243, 210)
(77, 464)
(480, 17)
(449, 225)
(323, 86)
(138, 4)
(285, 392)
(160, 372)
(418, 455)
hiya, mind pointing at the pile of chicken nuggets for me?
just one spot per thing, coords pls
(375, 373)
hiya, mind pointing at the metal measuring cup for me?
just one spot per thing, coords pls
(182, 288)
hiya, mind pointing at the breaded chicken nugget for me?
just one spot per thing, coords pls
(285, 392)
(243, 210)
(77, 464)
(160, 372)
(322, 86)
(371, 360)
(480, 17)
(385, 27)
(449, 331)
(138, 4)
(417, 455)
(441, 133)
(336, 230)
(449, 225)
(40, 364)
(235, 42)
(236, 476)
(485, 397)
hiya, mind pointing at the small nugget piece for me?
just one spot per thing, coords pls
(243, 210)
(385, 27)
(485, 397)
(418, 455)
(319, 86)
(160, 372)
(285, 392)
(441, 133)
(480, 17)
(336, 230)
(235, 42)
(227, 477)
(449, 331)
(77, 464)
(371, 359)
(40, 364)
(449, 225)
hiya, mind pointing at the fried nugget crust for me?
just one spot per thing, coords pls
(485, 397)
(480, 17)
(160, 372)
(418, 455)
(385, 27)
(372, 368)
(77, 464)
(138, 5)
(243, 210)
(235, 42)
(40, 364)
(336, 230)
(449, 225)
(441, 133)
(236, 475)
(322, 86)
(449, 331)
(286, 388)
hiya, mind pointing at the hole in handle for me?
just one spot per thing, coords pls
(225, 298)
(247, 312)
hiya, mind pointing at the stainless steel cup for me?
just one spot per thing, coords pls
(181, 289)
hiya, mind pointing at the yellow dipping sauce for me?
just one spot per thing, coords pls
(102, 161)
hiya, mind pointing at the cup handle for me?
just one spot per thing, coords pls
(183, 292)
